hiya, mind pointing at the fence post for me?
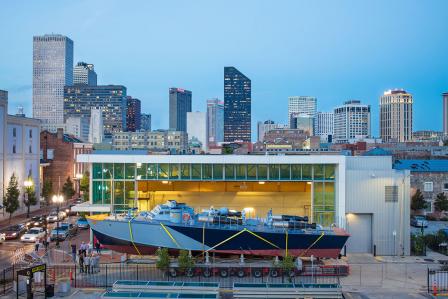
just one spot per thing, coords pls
(427, 279)
(137, 271)
(75, 275)
(106, 276)
(4, 281)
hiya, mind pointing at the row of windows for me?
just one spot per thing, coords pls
(165, 171)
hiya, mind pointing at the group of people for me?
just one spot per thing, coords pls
(45, 242)
(87, 260)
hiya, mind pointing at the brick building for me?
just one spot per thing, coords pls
(58, 154)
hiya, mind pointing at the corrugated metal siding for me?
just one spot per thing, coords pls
(369, 163)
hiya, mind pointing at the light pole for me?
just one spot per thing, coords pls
(78, 178)
(28, 184)
(57, 199)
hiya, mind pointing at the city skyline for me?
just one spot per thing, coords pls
(350, 70)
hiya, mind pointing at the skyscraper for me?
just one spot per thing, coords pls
(302, 105)
(133, 114)
(215, 121)
(445, 113)
(84, 73)
(266, 126)
(396, 116)
(351, 121)
(145, 122)
(80, 99)
(197, 128)
(96, 132)
(180, 104)
(52, 70)
(323, 126)
(237, 106)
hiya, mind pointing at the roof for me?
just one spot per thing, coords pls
(71, 138)
(377, 151)
(422, 165)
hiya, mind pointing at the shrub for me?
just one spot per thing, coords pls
(163, 259)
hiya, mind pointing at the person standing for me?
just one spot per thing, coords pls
(48, 240)
(36, 245)
(74, 252)
(87, 264)
(83, 248)
(81, 261)
(98, 247)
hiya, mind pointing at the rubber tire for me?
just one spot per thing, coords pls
(240, 273)
(207, 273)
(273, 273)
(189, 273)
(256, 273)
(172, 273)
(223, 273)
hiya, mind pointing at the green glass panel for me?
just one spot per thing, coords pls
(262, 172)
(285, 172)
(217, 171)
(108, 169)
(185, 171)
(97, 192)
(251, 172)
(151, 172)
(241, 171)
(206, 171)
(106, 192)
(118, 171)
(318, 194)
(129, 171)
(230, 172)
(274, 172)
(324, 218)
(129, 193)
(97, 169)
(296, 171)
(141, 170)
(174, 171)
(318, 172)
(329, 172)
(195, 171)
(307, 172)
(329, 195)
(163, 171)
(118, 193)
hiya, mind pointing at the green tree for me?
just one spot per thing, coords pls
(84, 185)
(31, 198)
(185, 260)
(441, 202)
(418, 202)
(163, 259)
(47, 190)
(68, 189)
(11, 200)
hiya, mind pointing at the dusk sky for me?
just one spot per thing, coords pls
(334, 50)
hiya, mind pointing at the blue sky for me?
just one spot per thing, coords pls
(334, 50)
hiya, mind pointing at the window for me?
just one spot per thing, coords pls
(445, 186)
(14, 132)
(30, 149)
(428, 186)
(14, 149)
(31, 133)
(391, 193)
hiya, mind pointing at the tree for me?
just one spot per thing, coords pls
(441, 202)
(68, 189)
(84, 185)
(185, 260)
(418, 202)
(11, 201)
(163, 259)
(31, 198)
(47, 189)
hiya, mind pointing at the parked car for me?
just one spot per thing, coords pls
(36, 221)
(82, 223)
(14, 231)
(33, 234)
(69, 211)
(72, 228)
(2, 237)
(53, 217)
(419, 221)
(63, 232)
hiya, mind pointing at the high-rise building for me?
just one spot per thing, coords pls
(445, 113)
(323, 126)
(78, 127)
(266, 126)
(351, 122)
(237, 106)
(197, 128)
(396, 116)
(84, 73)
(302, 122)
(180, 104)
(96, 131)
(145, 122)
(133, 114)
(80, 99)
(215, 121)
(301, 105)
(52, 70)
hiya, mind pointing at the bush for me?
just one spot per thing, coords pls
(185, 260)
(418, 245)
(287, 263)
(163, 259)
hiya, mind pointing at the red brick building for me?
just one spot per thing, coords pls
(58, 156)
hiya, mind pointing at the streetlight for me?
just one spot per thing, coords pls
(57, 199)
(78, 178)
(28, 184)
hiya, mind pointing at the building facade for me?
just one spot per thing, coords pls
(133, 114)
(175, 142)
(324, 126)
(145, 122)
(180, 104)
(197, 128)
(78, 127)
(351, 122)
(237, 106)
(96, 132)
(363, 195)
(111, 99)
(266, 126)
(301, 105)
(445, 113)
(52, 70)
(84, 73)
(19, 151)
(396, 116)
(302, 122)
(215, 121)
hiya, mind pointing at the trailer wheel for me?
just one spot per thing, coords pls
(240, 273)
(207, 273)
(223, 273)
(172, 272)
(273, 273)
(256, 273)
(189, 272)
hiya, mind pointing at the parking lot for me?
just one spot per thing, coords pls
(433, 227)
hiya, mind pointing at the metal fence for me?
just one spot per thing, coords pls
(437, 281)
